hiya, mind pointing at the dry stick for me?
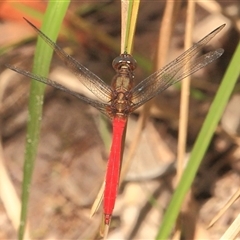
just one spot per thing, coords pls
(233, 231)
(184, 105)
(185, 94)
(225, 207)
(165, 32)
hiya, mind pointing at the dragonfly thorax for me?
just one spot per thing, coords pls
(122, 83)
(120, 104)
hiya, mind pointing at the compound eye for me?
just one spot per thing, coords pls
(124, 59)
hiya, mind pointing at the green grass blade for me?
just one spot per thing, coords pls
(51, 24)
(133, 7)
(201, 145)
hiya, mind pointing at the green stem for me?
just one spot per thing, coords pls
(202, 143)
(51, 25)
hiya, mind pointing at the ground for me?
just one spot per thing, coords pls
(73, 150)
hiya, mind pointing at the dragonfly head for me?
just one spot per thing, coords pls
(124, 61)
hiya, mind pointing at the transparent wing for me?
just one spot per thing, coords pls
(183, 66)
(99, 105)
(96, 85)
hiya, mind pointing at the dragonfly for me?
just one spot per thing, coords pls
(118, 100)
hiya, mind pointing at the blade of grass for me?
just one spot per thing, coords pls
(129, 30)
(51, 24)
(202, 142)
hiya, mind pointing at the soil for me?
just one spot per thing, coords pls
(72, 153)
